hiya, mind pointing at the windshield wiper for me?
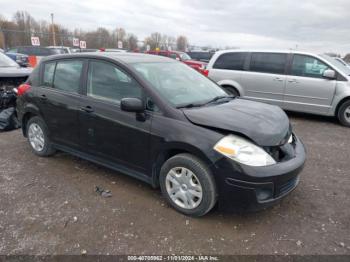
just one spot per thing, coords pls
(189, 105)
(217, 98)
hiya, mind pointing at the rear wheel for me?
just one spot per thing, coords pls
(344, 113)
(188, 185)
(231, 90)
(37, 134)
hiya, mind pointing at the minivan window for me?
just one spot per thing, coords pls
(107, 82)
(231, 61)
(49, 71)
(308, 66)
(268, 63)
(67, 75)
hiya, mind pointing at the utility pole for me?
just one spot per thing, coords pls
(53, 31)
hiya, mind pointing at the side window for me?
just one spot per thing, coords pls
(13, 50)
(67, 75)
(172, 55)
(34, 78)
(49, 71)
(230, 61)
(307, 66)
(268, 63)
(107, 82)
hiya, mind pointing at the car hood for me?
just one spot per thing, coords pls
(14, 71)
(266, 125)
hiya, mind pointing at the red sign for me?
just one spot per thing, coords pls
(76, 42)
(35, 40)
(82, 44)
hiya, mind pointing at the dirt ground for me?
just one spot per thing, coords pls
(49, 206)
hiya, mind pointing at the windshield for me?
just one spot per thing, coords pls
(5, 61)
(179, 84)
(185, 57)
(337, 63)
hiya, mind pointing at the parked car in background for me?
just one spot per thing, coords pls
(35, 53)
(157, 120)
(293, 80)
(21, 59)
(342, 61)
(11, 74)
(112, 50)
(183, 57)
(61, 49)
(203, 56)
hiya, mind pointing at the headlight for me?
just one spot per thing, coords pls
(243, 151)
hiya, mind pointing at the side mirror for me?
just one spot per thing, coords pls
(329, 74)
(132, 105)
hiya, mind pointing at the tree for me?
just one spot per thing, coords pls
(181, 43)
(132, 42)
(154, 40)
(347, 58)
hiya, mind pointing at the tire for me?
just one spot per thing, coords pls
(37, 134)
(199, 190)
(231, 90)
(344, 113)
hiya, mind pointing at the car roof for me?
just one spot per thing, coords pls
(127, 58)
(287, 51)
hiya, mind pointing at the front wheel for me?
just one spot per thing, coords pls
(344, 114)
(188, 185)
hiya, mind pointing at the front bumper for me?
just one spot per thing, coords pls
(253, 188)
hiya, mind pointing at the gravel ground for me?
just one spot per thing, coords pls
(48, 206)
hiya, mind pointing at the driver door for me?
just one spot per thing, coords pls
(306, 88)
(106, 130)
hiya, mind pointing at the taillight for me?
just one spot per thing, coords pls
(22, 89)
(205, 72)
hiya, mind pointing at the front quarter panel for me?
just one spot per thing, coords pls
(342, 92)
(170, 134)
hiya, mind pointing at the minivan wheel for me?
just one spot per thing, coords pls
(38, 137)
(231, 90)
(344, 114)
(188, 185)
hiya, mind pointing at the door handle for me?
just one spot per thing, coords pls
(87, 109)
(43, 97)
(293, 81)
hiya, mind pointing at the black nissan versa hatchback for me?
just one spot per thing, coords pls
(160, 121)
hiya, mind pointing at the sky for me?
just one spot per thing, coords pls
(313, 25)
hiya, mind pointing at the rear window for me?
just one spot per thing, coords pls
(67, 75)
(268, 63)
(231, 61)
(49, 71)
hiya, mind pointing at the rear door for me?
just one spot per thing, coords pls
(265, 80)
(105, 130)
(58, 98)
(306, 89)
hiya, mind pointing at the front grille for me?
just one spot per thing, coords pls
(285, 187)
(282, 153)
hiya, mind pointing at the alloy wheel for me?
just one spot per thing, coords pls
(36, 137)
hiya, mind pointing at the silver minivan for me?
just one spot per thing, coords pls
(293, 80)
